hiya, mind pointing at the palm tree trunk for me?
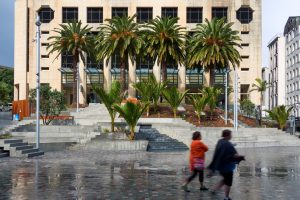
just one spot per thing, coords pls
(112, 125)
(260, 110)
(164, 71)
(174, 112)
(123, 75)
(211, 76)
(132, 132)
(199, 119)
(74, 65)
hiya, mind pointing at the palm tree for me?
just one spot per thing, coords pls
(109, 98)
(213, 46)
(131, 112)
(174, 97)
(121, 36)
(199, 102)
(212, 94)
(158, 87)
(165, 42)
(145, 89)
(74, 39)
(260, 86)
(280, 114)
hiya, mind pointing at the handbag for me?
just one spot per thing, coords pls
(198, 164)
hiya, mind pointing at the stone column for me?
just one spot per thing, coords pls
(131, 78)
(181, 78)
(106, 74)
(157, 71)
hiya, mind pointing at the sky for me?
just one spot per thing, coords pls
(274, 16)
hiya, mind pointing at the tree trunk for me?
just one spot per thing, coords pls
(164, 71)
(211, 76)
(123, 75)
(260, 110)
(174, 112)
(112, 125)
(132, 133)
(74, 65)
(199, 119)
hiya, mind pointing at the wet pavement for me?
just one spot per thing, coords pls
(268, 173)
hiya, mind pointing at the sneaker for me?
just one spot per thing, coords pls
(185, 188)
(203, 188)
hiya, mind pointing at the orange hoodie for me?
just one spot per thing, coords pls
(198, 149)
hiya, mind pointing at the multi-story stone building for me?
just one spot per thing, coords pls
(246, 15)
(276, 87)
(292, 76)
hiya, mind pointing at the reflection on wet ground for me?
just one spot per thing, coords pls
(268, 173)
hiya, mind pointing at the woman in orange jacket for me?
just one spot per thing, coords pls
(197, 159)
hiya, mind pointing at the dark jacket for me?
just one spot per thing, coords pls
(223, 159)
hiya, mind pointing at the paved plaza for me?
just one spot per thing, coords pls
(268, 173)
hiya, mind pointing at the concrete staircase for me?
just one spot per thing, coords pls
(91, 115)
(18, 148)
(57, 134)
(244, 138)
(14, 125)
(159, 142)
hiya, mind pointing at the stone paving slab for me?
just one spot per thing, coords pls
(268, 173)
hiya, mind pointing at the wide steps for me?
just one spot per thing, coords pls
(18, 148)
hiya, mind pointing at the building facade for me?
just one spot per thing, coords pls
(292, 48)
(246, 15)
(276, 87)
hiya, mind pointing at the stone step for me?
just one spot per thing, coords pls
(4, 154)
(33, 154)
(29, 151)
(24, 147)
(18, 144)
(10, 141)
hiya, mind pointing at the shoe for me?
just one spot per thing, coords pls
(227, 199)
(213, 192)
(185, 188)
(203, 188)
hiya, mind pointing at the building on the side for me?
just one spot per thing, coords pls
(246, 15)
(292, 48)
(276, 82)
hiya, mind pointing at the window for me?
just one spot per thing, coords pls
(169, 12)
(45, 56)
(70, 15)
(45, 44)
(44, 32)
(144, 15)
(244, 15)
(95, 15)
(245, 57)
(92, 63)
(44, 68)
(219, 12)
(66, 60)
(119, 11)
(46, 14)
(245, 44)
(244, 32)
(194, 15)
(244, 69)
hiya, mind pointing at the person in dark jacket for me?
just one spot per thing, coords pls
(224, 160)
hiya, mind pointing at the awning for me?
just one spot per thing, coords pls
(172, 71)
(194, 71)
(66, 70)
(116, 70)
(93, 71)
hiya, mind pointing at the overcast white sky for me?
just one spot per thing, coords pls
(275, 15)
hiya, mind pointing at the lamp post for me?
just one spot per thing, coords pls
(235, 108)
(77, 84)
(38, 25)
(226, 95)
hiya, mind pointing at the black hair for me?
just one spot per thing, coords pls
(226, 133)
(196, 135)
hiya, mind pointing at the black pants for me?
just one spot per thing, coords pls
(194, 174)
